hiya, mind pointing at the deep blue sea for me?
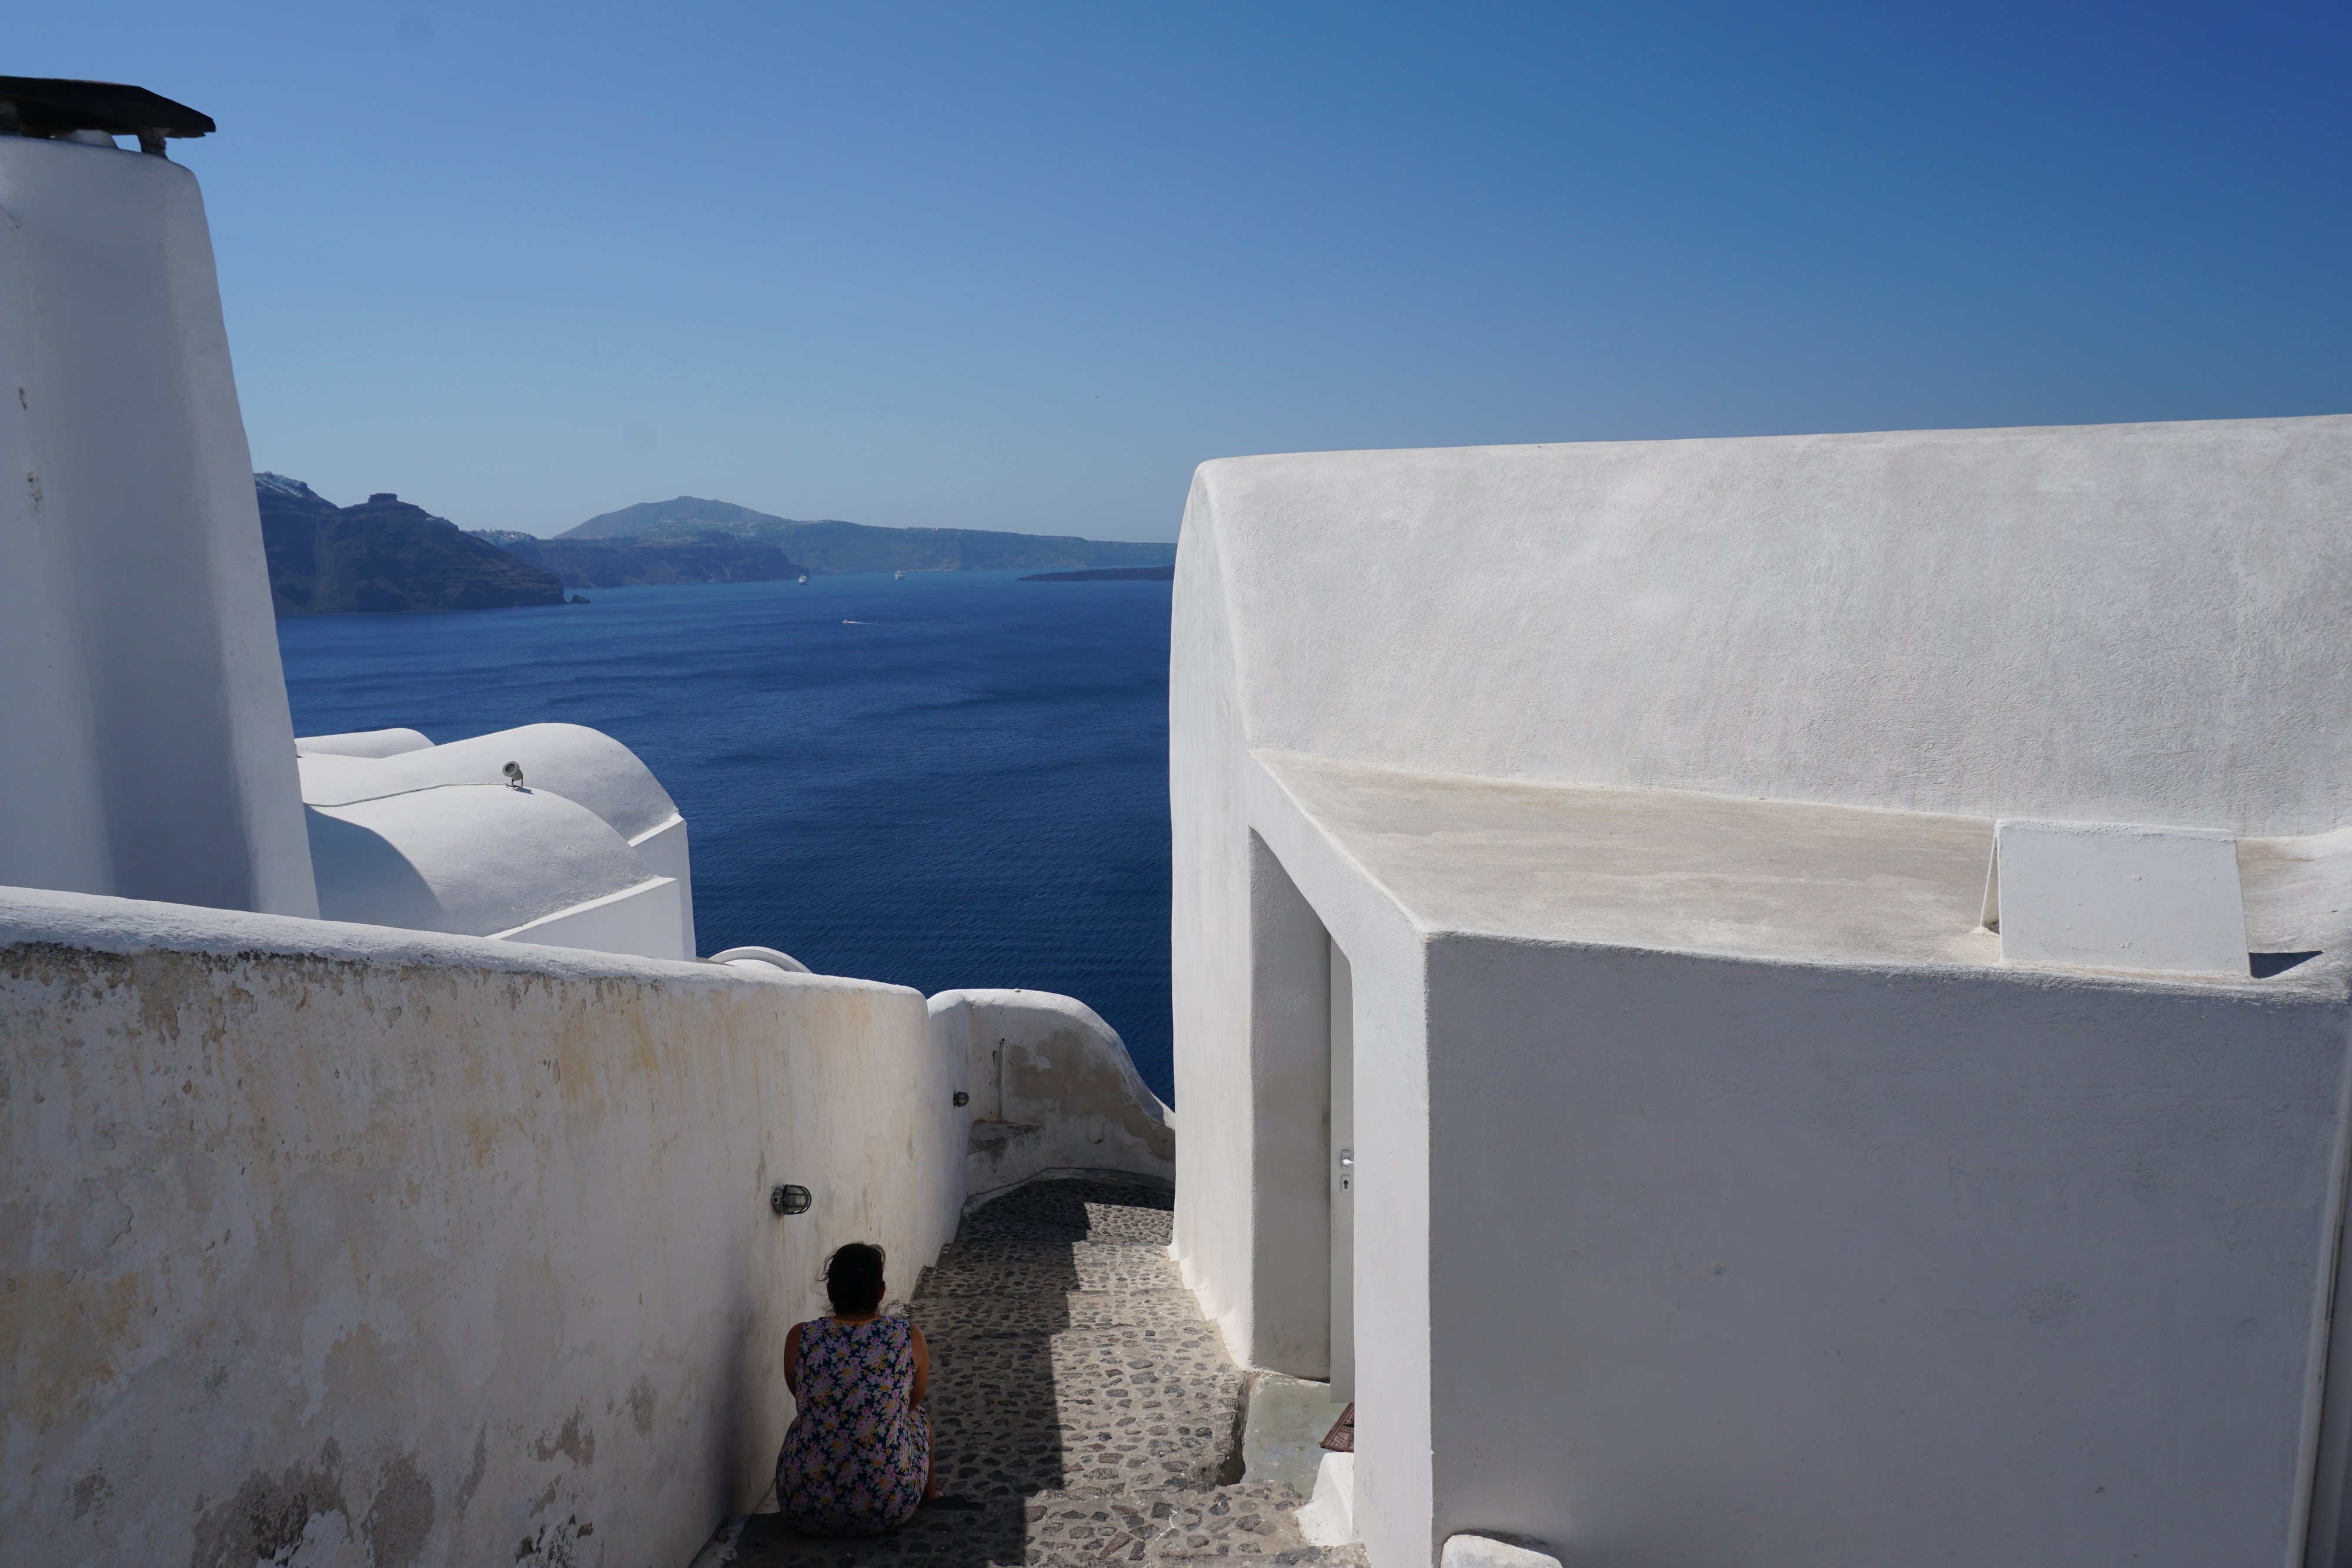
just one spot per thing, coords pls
(955, 779)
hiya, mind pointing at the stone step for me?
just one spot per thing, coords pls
(1024, 1412)
(1066, 1527)
(1105, 1356)
(1024, 1272)
(943, 1317)
(1083, 1251)
(1075, 1210)
(1252, 1521)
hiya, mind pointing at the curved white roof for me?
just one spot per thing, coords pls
(575, 761)
(361, 743)
(470, 860)
(433, 838)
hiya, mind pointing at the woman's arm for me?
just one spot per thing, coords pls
(922, 1366)
(792, 1362)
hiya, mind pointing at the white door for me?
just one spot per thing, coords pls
(1343, 1179)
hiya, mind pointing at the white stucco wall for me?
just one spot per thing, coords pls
(145, 748)
(1052, 1091)
(1795, 1265)
(2124, 623)
(1731, 995)
(458, 1249)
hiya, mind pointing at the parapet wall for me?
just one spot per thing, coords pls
(1052, 1091)
(458, 1249)
(2123, 622)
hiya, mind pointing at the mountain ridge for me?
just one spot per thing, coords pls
(832, 546)
(628, 561)
(382, 556)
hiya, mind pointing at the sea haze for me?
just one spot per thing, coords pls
(955, 779)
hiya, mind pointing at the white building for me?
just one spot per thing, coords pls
(1590, 843)
(1596, 1057)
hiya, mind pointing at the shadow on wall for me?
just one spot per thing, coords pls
(371, 875)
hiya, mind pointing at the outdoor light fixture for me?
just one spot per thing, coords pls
(962, 1098)
(789, 1199)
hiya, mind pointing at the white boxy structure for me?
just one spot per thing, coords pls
(1592, 1054)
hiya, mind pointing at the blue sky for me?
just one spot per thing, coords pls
(1022, 267)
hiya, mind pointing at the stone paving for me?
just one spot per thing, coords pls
(1077, 1397)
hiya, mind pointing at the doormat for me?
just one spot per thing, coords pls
(1341, 1437)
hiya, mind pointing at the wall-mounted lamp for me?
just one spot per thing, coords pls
(962, 1099)
(789, 1199)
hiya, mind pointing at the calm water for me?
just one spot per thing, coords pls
(966, 787)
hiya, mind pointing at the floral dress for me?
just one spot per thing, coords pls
(855, 1459)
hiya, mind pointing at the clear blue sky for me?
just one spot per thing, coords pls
(1022, 266)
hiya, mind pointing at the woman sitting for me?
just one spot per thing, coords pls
(857, 1459)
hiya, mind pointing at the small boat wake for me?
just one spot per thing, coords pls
(857, 623)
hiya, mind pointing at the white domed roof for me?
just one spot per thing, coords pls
(590, 851)
(361, 743)
(575, 761)
(471, 859)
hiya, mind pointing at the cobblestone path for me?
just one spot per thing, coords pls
(1078, 1395)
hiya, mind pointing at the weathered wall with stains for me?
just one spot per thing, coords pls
(1053, 1090)
(333, 1244)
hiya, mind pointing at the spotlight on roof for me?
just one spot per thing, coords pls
(513, 771)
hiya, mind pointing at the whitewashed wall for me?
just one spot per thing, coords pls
(458, 1251)
(2109, 622)
(1863, 1266)
(1054, 1091)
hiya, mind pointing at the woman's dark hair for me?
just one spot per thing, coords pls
(853, 1278)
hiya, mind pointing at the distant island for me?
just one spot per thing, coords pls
(382, 556)
(709, 555)
(387, 554)
(830, 546)
(1109, 574)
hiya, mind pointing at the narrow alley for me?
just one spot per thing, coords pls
(1079, 1397)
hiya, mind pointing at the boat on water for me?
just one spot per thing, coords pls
(897, 577)
(803, 577)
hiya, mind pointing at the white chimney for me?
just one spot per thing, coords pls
(145, 748)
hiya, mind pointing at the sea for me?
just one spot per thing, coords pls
(944, 779)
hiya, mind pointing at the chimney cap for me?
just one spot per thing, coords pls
(54, 106)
